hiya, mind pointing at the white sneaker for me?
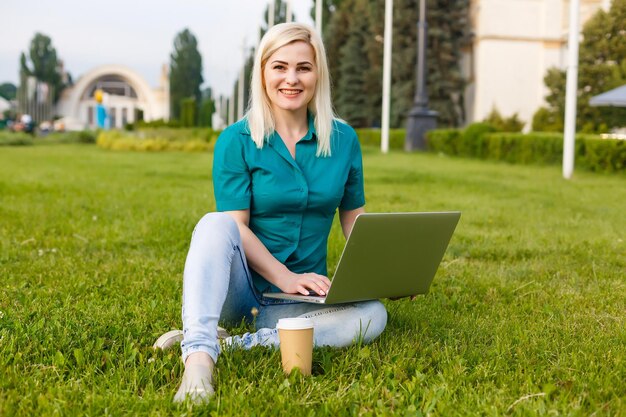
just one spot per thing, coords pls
(169, 339)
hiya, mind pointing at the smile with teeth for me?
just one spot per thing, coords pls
(290, 92)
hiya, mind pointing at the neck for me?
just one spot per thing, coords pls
(290, 124)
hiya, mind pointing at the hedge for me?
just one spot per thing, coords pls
(371, 137)
(15, 139)
(159, 139)
(591, 152)
(8, 138)
(480, 140)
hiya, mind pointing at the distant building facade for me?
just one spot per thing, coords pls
(127, 98)
(515, 43)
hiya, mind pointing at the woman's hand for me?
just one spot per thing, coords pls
(303, 283)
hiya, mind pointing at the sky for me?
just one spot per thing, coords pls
(138, 34)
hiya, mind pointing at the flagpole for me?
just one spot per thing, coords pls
(384, 137)
(288, 17)
(318, 16)
(569, 134)
(270, 14)
(240, 103)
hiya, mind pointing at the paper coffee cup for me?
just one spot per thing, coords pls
(296, 344)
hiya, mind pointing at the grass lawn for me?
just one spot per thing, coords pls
(526, 315)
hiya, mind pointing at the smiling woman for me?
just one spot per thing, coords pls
(280, 174)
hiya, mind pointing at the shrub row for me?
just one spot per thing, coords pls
(372, 137)
(24, 139)
(480, 141)
(162, 139)
(81, 136)
(15, 139)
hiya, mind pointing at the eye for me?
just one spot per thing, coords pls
(304, 69)
(278, 67)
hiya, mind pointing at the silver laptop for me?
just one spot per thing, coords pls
(387, 255)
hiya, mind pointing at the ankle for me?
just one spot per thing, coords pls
(199, 358)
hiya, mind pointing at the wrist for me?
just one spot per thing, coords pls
(284, 279)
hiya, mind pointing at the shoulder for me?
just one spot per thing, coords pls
(236, 135)
(343, 136)
(343, 130)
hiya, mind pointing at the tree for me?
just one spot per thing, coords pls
(351, 95)
(601, 67)
(207, 108)
(448, 22)
(329, 7)
(8, 91)
(335, 35)
(448, 32)
(280, 15)
(43, 64)
(185, 72)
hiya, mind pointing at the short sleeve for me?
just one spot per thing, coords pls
(354, 194)
(231, 176)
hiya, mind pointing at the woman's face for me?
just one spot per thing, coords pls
(290, 77)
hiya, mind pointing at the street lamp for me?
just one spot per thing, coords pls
(421, 119)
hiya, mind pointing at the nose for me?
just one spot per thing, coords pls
(291, 77)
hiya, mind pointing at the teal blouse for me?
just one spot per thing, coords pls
(292, 202)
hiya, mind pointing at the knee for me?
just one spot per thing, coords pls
(217, 224)
(376, 319)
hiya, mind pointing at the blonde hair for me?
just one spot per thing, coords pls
(260, 117)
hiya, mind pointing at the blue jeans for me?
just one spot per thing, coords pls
(217, 286)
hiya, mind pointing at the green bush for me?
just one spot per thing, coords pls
(159, 139)
(15, 139)
(443, 140)
(470, 143)
(188, 111)
(607, 155)
(18, 139)
(545, 120)
(80, 136)
(159, 123)
(372, 137)
(535, 148)
(504, 124)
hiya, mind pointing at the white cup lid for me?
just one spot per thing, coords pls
(296, 323)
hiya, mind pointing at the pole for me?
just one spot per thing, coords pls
(569, 134)
(288, 18)
(420, 119)
(270, 14)
(384, 138)
(231, 110)
(318, 16)
(422, 27)
(240, 94)
(224, 109)
(240, 105)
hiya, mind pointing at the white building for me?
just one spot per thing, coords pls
(127, 97)
(4, 105)
(515, 43)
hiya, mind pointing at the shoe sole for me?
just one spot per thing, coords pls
(169, 339)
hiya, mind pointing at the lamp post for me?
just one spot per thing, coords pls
(420, 119)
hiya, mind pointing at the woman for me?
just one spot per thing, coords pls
(279, 175)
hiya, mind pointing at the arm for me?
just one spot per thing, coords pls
(347, 219)
(263, 262)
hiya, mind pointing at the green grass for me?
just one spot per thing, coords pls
(526, 315)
